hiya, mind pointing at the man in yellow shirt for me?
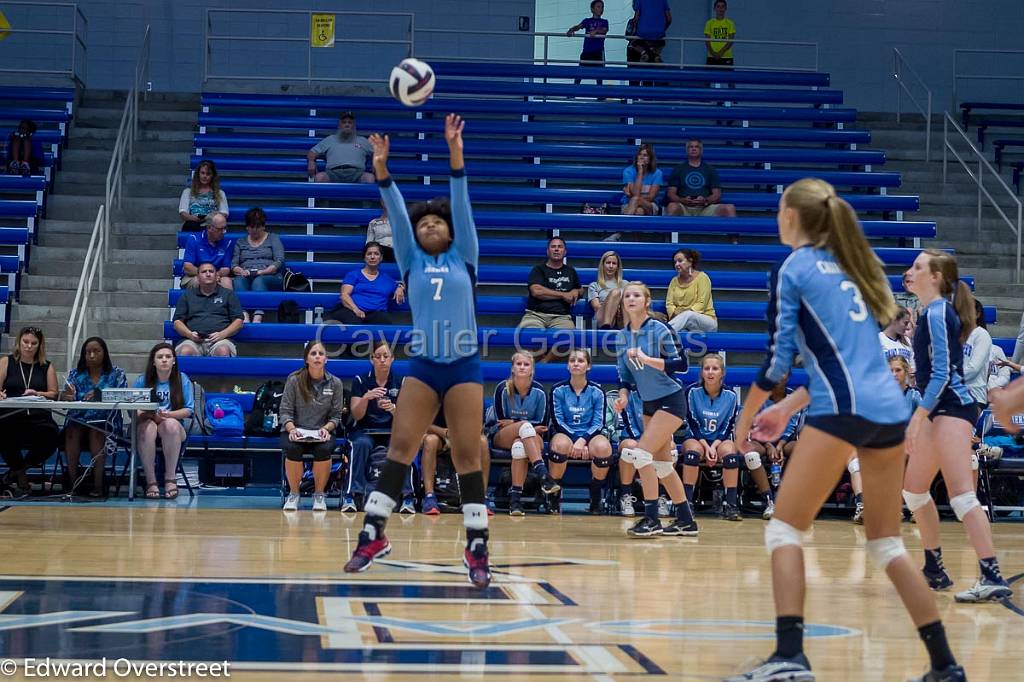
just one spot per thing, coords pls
(719, 33)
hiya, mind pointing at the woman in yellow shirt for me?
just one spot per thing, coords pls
(689, 303)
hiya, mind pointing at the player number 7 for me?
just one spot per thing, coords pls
(437, 282)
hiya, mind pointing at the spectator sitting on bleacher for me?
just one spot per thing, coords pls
(366, 292)
(202, 198)
(895, 338)
(24, 152)
(577, 418)
(977, 351)
(605, 294)
(1000, 368)
(373, 404)
(170, 422)
(207, 316)
(258, 260)
(86, 382)
(554, 287)
(26, 372)
(436, 444)
(313, 401)
(689, 302)
(379, 230)
(346, 154)
(720, 33)
(694, 188)
(517, 421)
(641, 182)
(209, 246)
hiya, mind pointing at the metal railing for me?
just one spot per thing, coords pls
(210, 38)
(899, 63)
(97, 254)
(79, 25)
(979, 177)
(1016, 75)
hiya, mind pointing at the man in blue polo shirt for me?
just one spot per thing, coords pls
(209, 246)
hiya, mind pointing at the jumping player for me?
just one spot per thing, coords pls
(647, 359)
(437, 252)
(939, 435)
(576, 406)
(825, 302)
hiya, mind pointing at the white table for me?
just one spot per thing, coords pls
(62, 407)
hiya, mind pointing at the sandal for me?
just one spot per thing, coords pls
(170, 490)
(152, 491)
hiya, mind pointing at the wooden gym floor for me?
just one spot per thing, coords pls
(574, 597)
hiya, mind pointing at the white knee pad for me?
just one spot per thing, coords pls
(964, 503)
(627, 455)
(663, 469)
(779, 534)
(518, 451)
(916, 500)
(853, 466)
(526, 430)
(975, 462)
(883, 551)
(753, 460)
(640, 458)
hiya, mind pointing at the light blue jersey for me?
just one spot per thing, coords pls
(441, 289)
(577, 415)
(531, 408)
(795, 423)
(633, 417)
(657, 340)
(913, 398)
(816, 310)
(711, 419)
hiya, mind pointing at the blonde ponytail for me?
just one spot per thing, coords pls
(831, 223)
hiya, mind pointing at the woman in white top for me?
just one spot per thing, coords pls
(894, 338)
(379, 230)
(203, 198)
(605, 294)
(1000, 368)
(977, 351)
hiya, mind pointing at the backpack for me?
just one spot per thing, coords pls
(288, 312)
(295, 281)
(266, 408)
(230, 422)
(612, 419)
(200, 422)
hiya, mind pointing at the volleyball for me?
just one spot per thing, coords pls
(412, 82)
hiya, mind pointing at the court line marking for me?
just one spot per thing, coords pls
(1009, 604)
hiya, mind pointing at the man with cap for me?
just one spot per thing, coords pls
(345, 152)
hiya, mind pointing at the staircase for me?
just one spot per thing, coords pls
(990, 255)
(130, 309)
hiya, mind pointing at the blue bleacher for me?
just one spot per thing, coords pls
(558, 150)
(15, 93)
(21, 211)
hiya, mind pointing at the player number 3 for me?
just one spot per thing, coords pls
(861, 313)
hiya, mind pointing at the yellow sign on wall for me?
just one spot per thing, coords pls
(321, 30)
(4, 26)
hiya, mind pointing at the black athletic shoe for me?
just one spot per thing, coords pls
(938, 581)
(549, 486)
(515, 508)
(778, 669)
(477, 562)
(676, 528)
(731, 513)
(953, 673)
(554, 504)
(645, 528)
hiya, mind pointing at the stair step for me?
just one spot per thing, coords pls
(111, 284)
(60, 314)
(99, 299)
(48, 254)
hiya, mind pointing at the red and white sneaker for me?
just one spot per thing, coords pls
(477, 562)
(366, 552)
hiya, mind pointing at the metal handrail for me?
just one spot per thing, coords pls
(77, 38)
(958, 76)
(979, 179)
(97, 254)
(91, 266)
(898, 61)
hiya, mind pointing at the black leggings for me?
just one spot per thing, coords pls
(39, 438)
(346, 316)
(294, 451)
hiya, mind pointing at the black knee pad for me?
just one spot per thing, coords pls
(602, 462)
(732, 461)
(557, 458)
(691, 458)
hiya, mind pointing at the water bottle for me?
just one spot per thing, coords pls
(318, 314)
(268, 422)
(218, 411)
(776, 474)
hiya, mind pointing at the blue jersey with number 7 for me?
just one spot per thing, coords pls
(816, 310)
(440, 288)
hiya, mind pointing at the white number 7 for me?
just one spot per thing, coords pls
(861, 313)
(438, 282)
